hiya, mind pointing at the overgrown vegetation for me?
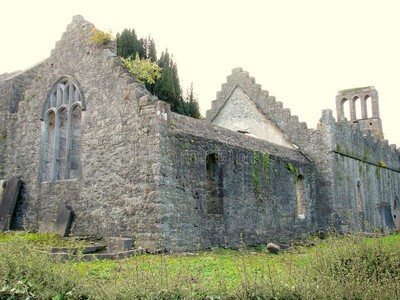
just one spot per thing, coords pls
(147, 71)
(166, 86)
(336, 268)
(101, 37)
(353, 90)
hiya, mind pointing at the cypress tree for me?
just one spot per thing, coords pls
(152, 54)
(128, 44)
(125, 44)
(167, 87)
(193, 104)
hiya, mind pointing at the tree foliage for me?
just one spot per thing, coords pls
(165, 86)
(146, 71)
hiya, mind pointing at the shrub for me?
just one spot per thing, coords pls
(25, 272)
(101, 37)
(144, 69)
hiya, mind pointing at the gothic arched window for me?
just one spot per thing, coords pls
(62, 114)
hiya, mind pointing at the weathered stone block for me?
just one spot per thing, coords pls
(58, 223)
(8, 201)
(116, 244)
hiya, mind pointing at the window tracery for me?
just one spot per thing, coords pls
(62, 116)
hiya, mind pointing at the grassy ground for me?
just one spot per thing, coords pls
(347, 268)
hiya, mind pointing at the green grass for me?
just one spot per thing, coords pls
(353, 90)
(337, 268)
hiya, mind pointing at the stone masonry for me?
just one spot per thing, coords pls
(82, 132)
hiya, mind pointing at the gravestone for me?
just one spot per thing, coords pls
(58, 223)
(7, 203)
(116, 244)
(387, 218)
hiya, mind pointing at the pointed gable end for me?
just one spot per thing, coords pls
(238, 112)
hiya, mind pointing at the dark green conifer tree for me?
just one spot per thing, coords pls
(193, 104)
(128, 44)
(125, 44)
(167, 87)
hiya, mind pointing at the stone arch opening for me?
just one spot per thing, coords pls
(62, 115)
(368, 106)
(345, 108)
(214, 185)
(301, 197)
(356, 108)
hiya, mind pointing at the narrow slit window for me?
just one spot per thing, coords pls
(301, 198)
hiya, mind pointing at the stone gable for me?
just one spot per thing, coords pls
(79, 131)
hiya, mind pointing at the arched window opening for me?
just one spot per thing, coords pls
(368, 106)
(396, 213)
(345, 108)
(359, 198)
(63, 113)
(356, 108)
(301, 197)
(214, 185)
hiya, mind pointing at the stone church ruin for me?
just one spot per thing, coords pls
(81, 134)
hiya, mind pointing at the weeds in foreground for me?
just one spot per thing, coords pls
(349, 268)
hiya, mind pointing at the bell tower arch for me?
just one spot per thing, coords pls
(364, 100)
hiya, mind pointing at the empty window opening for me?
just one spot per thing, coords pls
(345, 108)
(368, 106)
(301, 197)
(62, 128)
(357, 108)
(359, 198)
(214, 185)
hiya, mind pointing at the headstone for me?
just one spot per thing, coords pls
(47, 225)
(7, 203)
(116, 244)
(58, 223)
(387, 218)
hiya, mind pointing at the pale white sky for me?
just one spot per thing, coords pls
(302, 52)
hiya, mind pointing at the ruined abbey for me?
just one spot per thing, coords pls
(82, 133)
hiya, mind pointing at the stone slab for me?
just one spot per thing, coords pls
(58, 223)
(63, 221)
(7, 203)
(117, 244)
(387, 218)
(47, 224)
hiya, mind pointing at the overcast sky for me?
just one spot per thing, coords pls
(302, 51)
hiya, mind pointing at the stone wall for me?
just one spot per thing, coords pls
(116, 190)
(366, 176)
(258, 187)
(178, 183)
(314, 144)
